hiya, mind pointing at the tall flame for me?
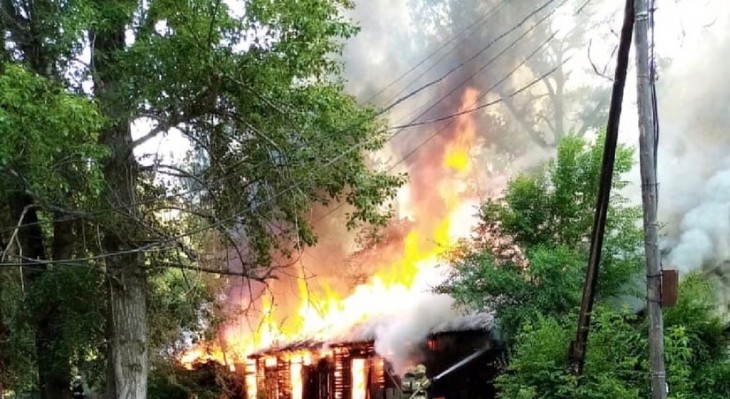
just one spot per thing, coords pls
(442, 205)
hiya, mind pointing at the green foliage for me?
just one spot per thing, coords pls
(73, 292)
(177, 303)
(260, 98)
(555, 205)
(549, 215)
(698, 356)
(17, 348)
(697, 359)
(539, 367)
(48, 147)
(528, 266)
(550, 286)
(47, 139)
(272, 130)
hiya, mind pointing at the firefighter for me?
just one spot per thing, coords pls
(415, 383)
(77, 389)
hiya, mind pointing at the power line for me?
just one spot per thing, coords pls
(391, 106)
(159, 243)
(473, 107)
(469, 30)
(480, 52)
(75, 214)
(157, 246)
(332, 161)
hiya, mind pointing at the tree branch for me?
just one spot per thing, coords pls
(15, 232)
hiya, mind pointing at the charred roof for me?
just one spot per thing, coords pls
(368, 332)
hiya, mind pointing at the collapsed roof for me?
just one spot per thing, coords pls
(372, 329)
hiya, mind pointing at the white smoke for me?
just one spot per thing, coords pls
(694, 167)
(405, 319)
(705, 237)
(399, 340)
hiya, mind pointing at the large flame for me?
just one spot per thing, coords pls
(443, 211)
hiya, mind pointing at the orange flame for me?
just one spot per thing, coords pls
(456, 156)
(325, 311)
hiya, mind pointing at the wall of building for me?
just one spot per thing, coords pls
(329, 373)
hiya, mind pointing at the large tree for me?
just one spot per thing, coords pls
(254, 90)
(48, 159)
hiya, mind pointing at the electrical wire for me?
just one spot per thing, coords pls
(466, 32)
(479, 53)
(470, 29)
(654, 102)
(471, 108)
(159, 245)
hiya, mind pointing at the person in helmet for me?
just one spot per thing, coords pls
(415, 383)
(77, 389)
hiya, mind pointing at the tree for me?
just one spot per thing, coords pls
(502, 37)
(49, 158)
(257, 94)
(527, 263)
(529, 255)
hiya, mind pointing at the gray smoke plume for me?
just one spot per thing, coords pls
(694, 166)
(693, 93)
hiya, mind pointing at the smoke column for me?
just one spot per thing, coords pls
(694, 167)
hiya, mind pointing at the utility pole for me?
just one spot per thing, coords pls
(578, 347)
(647, 142)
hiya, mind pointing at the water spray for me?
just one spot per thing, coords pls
(460, 364)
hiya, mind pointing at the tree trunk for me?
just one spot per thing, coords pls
(127, 297)
(58, 373)
(54, 371)
(128, 354)
(3, 332)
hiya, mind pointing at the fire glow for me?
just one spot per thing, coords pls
(443, 211)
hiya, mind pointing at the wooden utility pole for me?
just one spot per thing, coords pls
(647, 142)
(578, 347)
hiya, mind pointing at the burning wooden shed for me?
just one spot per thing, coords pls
(352, 369)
